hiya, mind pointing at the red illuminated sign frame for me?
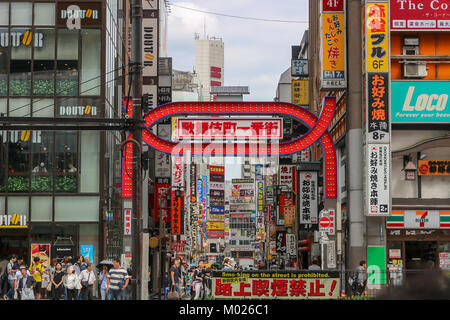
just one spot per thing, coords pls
(318, 132)
(127, 158)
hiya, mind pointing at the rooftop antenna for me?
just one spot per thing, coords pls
(204, 27)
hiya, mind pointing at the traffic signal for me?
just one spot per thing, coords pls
(147, 102)
(304, 246)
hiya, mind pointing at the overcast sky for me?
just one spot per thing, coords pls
(256, 53)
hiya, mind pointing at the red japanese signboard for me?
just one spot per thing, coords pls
(332, 5)
(161, 204)
(127, 222)
(276, 285)
(127, 158)
(177, 204)
(425, 15)
(214, 128)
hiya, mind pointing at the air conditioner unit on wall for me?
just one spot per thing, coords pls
(414, 69)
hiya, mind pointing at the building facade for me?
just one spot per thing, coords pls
(209, 64)
(59, 60)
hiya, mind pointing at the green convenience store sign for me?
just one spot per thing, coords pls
(420, 102)
(376, 265)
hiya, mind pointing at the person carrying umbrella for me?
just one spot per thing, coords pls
(104, 266)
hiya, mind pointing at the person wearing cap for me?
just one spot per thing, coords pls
(87, 280)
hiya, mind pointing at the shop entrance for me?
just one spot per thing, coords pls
(418, 254)
(14, 241)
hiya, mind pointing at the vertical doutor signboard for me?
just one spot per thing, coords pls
(377, 107)
(150, 50)
(333, 45)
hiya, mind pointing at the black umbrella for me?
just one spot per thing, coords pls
(107, 263)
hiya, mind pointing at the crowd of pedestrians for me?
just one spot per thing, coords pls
(62, 280)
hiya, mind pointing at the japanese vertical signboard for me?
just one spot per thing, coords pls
(260, 222)
(177, 204)
(291, 247)
(127, 222)
(161, 204)
(162, 160)
(286, 177)
(333, 45)
(378, 179)
(299, 67)
(281, 241)
(377, 109)
(300, 92)
(177, 171)
(216, 217)
(150, 51)
(308, 199)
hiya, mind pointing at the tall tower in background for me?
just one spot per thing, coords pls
(209, 64)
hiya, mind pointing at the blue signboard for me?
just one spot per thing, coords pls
(87, 250)
(217, 210)
(420, 101)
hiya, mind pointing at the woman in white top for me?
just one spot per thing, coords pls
(71, 283)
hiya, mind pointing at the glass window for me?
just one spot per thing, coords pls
(4, 56)
(20, 64)
(19, 107)
(42, 161)
(90, 161)
(21, 14)
(77, 208)
(43, 108)
(67, 230)
(2, 205)
(18, 205)
(4, 13)
(41, 209)
(89, 236)
(41, 232)
(66, 146)
(91, 55)
(3, 107)
(19, 161)
(44, 14)
(43, 64)
(67, 63)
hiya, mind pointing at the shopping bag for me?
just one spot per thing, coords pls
(173, 294)
(27, 294)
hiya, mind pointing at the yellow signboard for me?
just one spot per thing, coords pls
(300, 92)
(434, 167)
(216, 225)
(289, 215)
(377, 25)
(333, 49)
(216, 217)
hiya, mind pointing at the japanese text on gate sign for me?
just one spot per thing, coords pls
(377, 37)
(275, 285)
(271, 128)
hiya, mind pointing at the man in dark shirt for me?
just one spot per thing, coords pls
(175, 276)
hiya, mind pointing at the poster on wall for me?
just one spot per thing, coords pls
(87, 251)
(42, 251)
(64, 250)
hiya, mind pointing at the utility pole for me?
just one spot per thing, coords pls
(354, 136)
(136, 21)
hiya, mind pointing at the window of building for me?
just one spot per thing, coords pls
(66, 145)
(91, 54)
(89, 236)
(43, 108)
(4, 57)
(42, 162)
(41, 232)
(44, 14)
(67, 63)
(41, 209)
(76, 209)
(20, 63)
(44, 64)
(4, 14)
(90, 161)
(21, 13)
(18, 205)
(18, 161)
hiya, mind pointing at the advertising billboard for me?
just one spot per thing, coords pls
(420, 102)
(420, 15)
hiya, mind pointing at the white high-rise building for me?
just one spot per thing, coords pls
(209, 64)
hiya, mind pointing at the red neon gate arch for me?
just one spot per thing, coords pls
(318, 131)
